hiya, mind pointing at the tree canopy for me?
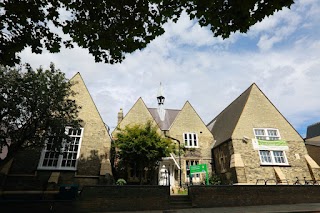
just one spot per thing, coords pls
(142, 146)
(34, 104)
(110, 29)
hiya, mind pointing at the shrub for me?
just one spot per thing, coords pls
(215, 180)
(121, 182)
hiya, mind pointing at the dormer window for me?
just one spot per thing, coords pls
(269, 134)
(190, 140)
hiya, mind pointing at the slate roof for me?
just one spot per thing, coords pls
(223, 125)
(313, 130)
(170, 116)
(313, 143)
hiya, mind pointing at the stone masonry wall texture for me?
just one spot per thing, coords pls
(138, 114)
(260, 113)
(186, 121)
(96, 142)
(189, 121)
(95, 146)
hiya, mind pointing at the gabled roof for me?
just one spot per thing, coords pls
(170, 115)
(140, 109)
(223, 125)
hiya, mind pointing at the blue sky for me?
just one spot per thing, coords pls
(280, 54)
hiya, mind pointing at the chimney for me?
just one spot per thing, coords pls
(120, 115)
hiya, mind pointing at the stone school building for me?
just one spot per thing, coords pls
(249, 142)
(185, 126)
(255, 144)
(85, 162)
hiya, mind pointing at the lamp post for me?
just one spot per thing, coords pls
(179, 158)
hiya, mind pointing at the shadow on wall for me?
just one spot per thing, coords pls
(23, 173)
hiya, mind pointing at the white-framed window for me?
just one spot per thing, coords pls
(271, 157)
(191, 163)
(66, 158)
(270, 134)
(190, 139)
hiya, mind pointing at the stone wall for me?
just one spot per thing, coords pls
(93, 162)
(96, 142)
(259, 112)
(189, 121)
(138, 114)
(221, 155)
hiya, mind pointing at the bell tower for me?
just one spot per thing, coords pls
(161, 98)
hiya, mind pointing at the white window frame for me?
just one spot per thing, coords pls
(266, 135)
(190, 137)
(65, 156)
(192, 162)
(273, 157)
(270, 151)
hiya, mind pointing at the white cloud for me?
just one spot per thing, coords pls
(210, 72)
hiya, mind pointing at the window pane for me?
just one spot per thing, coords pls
(79, 132)
(190, 139)
(265, 157)
(261, 137)
(272, 132)
(259, 132)
(273, 138)
(186, 139)
(279, 157)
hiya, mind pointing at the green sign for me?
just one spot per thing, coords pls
(272, 143)
(200, 168)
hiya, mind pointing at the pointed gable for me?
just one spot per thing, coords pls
(223, 125)
(83, 98)
(188, 120)
(95, 132)
(138, 114)
(259, 112)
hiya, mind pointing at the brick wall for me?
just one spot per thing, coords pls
(124, 198)
(142, 198)
(250, 195)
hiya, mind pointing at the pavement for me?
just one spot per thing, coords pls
(287, 208)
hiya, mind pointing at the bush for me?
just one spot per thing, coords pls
(121, 182)
(215, 180)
